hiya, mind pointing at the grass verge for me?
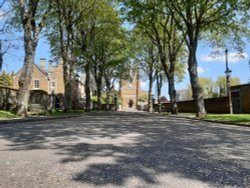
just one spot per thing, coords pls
(61, 112)
(7, 115)
(234, 118)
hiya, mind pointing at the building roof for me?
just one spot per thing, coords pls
(239, 86)
(44, 72)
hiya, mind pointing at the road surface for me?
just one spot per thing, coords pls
(120, 149)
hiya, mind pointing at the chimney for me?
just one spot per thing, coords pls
(43, 63)
(50, 66)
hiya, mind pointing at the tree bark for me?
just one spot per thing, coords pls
(28, 14)
(98, 75)
(150, 105)
(196, 89)
(108, 91)
(108, 99)
(99, 95)
(172, 93)
(67, 88)
(25, 80)
(87, 87)
(159, 86)
(30, 44)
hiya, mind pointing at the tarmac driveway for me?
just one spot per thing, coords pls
(121, 149)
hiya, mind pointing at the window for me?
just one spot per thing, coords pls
(53, 84)
(36, 84)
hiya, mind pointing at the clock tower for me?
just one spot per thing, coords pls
(130, 90)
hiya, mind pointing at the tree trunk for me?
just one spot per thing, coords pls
(25, 78)
(196, 89)
(87, 88)
(25, 81)
(150, 104)
(99, 87)
(108, 91)
(99, 93)
(67, 93)
(108, 99)
(172, 93)
(159, 86)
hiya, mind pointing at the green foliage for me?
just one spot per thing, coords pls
(221, 84)
(7, 115)
(103, 98)
(62, 113)
(6, 79)
(143, 98)
(212, 88)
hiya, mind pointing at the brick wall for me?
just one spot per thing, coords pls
(244, 93)
(245, 97)
(213, 105)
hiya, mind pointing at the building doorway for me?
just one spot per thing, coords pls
(236, 102)
(130, 103)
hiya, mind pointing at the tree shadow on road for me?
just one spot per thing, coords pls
(141, 146)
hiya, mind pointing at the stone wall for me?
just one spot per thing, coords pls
(8, 98)
(213, 105)
(39, 97)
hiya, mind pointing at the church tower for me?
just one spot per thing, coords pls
(129, 91)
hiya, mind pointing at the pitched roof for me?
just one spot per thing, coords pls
(44, 72)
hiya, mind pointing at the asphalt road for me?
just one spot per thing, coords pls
(124, 150)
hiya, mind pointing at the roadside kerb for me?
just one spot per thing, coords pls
(33, 119)
(212, 121)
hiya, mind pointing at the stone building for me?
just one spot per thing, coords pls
(130, 91)
(49, 80)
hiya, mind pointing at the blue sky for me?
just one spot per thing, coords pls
(207, 66)
(211, 67)
(214, 66)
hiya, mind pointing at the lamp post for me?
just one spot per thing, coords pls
(1, 56)
(228, 73)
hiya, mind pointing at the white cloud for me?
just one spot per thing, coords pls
(143, 85)
(233, 57)
(116, 86)
(200, 70)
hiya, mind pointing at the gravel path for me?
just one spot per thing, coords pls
(121, 149)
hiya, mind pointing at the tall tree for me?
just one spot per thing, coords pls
(66, 18)
(148, 60)
(150, 17)
(103, 39)
(195, 18)
(32, 14)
